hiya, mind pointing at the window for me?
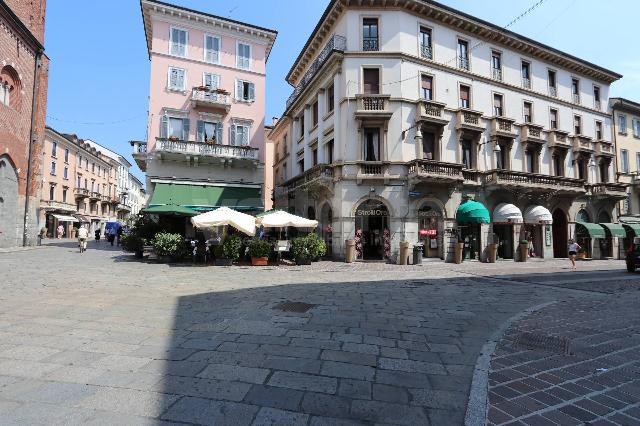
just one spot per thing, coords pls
(370, 34)
(80, 161)
(240, 134)
(558, 163)
(330, 98)
(79, 182)
(177, 79)
(502, 155)
(93, 168)
(52, 192)
(637, 160)
(175, 128)
(636, 127)
(465, 96)
(54, 149)
(301, 165)
(553, 118)
(624, 161)
(426, 84)
(596, 97)
(314, 156)
(329, 153)
(301, 120)
(575, 90)
(622, 124)
(285, 148)
(211, 81)
(64, 195)
(577, 125)
(243, 56)
(178, 42)
(5, 93)
(284, 171)
(371, 77)
(526, 75)
(86, 164)
(99, 169)
(463, 54)
(208, 131)
(467, 154)
(530, 161)
(496, 65)
(528, 112)
(598, 130)
(211, 49)
(551, 78)
(314, 113)
(65, 173)
(426, 51)
(371, 144)
(86, 184)
(53, 167)
(245, 91)
(428, 146)
(497, 105)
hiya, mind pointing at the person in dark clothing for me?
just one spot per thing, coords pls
(97, 234)
(119, 234)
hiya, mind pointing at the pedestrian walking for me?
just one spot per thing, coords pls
(573, 248)
(83, 234)
(60, 231)
(119, 234)
(42, 235)
(111, 236)
(97, 234)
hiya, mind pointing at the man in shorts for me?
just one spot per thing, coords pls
(83, 234)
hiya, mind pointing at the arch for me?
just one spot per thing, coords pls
(10, 87)
(373, 239)
(372, 197)
(604, 217)
(8, 202)
(435, 202)
(560, 233)
(583, 216)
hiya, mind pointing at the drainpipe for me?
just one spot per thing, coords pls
(32, 136)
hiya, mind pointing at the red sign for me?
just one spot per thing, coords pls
(428, 232)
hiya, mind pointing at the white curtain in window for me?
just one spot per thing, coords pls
(175, 128)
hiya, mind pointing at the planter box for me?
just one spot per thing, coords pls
(303, 261)
(259, 261)
(223, 262)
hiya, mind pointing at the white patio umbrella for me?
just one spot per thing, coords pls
(223, 216)
(282, 219)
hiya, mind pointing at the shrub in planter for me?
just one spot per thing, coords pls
(133, 242)
(231, 247)
(259, 251)
(301, 251)
(317, 246)
(169, 245)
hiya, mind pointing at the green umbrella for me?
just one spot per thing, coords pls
(171, 209)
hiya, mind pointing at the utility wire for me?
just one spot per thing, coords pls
(95, 123)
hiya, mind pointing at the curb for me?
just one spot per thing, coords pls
(476, 414)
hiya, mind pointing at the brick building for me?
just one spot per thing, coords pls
(23, 94)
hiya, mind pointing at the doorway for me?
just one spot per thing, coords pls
(560, 231)
(372, 230)
(326, 219)
(504, 239)
(470, 234)
(430, 228)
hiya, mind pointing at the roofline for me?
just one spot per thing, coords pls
(510, 33)
(624, 103)
(22, 27)
(62, 136)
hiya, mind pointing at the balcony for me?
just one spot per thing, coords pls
(81, 193)
(583, 144)
(204, 152)
(432, 112)
(208, 98)
(526, 83)
(372, 170)
(553, 91)
(95, 196)
(370, 45)
(105, 199)
(315, 181)
(57, 205)
(123, 207)
(575, 98)
(496, 74)
(426, 51)
(471, 177)
(139, 154)
(617, 191)
(469, 119)
(434, 172)
(558, 139)
(604, 149)
(503, 127)
(463, 63)
(373, 107)
(524, 182)
(337, 44)
(532, 135)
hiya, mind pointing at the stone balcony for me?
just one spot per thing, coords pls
(470, 120)
(123, 207)
(604, 149)
(81, 193)
(57, 205)
(532, 134)
(372, 170)
(434, 172)
(207, 98)
(524, 182)
(603, 190)
(206, 153)
(503, 127)
(316, 180)
(95, 196)
(582, 144)
(139, 154)
(105, 199)
(558, 139)
(432, 112)
(373, 107)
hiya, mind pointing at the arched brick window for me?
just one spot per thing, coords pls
(10, 87)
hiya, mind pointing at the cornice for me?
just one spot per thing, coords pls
(201, 62)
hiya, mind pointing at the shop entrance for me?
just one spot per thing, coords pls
(430, 225)
(504, 239)
(560, 231)
(470, 235)
(326, 220)
(372, 231)
(533, 235)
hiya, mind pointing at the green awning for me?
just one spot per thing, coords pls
(592, 230)
(632, 228)
(170, 209)
(472, 212)
(206, 197)
(615, 229)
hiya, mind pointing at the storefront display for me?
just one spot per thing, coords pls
(430, 224)
(372, 231)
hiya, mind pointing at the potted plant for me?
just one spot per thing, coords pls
(173, 138)
(259, 252)
(230, 251)
(317, 246)
(300, 251)
(133, 242)
(169, 247)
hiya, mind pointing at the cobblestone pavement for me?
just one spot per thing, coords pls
(98, 338)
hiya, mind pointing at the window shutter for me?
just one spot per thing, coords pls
(180, 79)
(239, 61)
(164, 124)
(215, 81)
(232, 135)
(252, 94)
(200, 131)
(185, 129)
(219, 133)
(173, 78)
(245, 135)
(239, 90)
(216, 49)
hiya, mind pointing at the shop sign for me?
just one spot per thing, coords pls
(428, 232)
(372, 212)
(428, 213)
(547, 235)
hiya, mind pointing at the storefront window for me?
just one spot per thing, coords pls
(372, 231)
(430, 225)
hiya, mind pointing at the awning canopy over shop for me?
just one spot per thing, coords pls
(82, 219)
(170, 209)
(472, 212)
(206, 197)
(632, 228)
(615, 229)
(592, 230)
(64, 218)
(505, 213)
(537, 215)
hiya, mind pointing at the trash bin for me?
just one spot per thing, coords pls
(404, 252)
(350, 250)
(457, 255)
(493, 253)
(417, 254)
(523, 248)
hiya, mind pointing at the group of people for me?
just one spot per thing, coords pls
(113, 235)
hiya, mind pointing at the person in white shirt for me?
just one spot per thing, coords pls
(83, 234)
(573, 248)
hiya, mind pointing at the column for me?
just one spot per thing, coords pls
(418, 143)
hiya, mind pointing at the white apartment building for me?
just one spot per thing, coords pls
(137, 197)
(420, 123)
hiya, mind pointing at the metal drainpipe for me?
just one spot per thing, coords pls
(36, 67)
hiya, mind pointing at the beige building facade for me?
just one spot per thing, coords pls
(626, 133)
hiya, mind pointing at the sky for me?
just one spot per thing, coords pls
(99, 72)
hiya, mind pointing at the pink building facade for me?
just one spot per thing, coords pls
(206, 109)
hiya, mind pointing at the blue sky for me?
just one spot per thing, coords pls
(99, 74)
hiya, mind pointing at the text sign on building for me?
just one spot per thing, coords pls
(547, 235)
(428, 232)
(372, 212)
